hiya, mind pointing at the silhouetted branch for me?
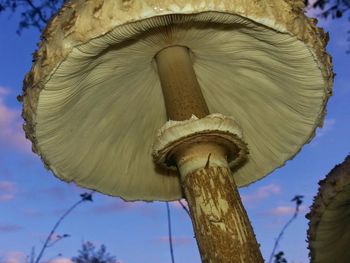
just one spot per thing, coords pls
(84, 197)
(34, 13)
(31, 258)
(58, 238)
(37, 11)
(279, 258)
(334, 9)
(298, 201)
(170, 234)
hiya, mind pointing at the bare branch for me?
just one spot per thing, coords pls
(84, 197)
(298, 201)
(170, 234)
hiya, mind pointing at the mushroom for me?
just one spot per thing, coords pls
(329, 217)
(120, 95)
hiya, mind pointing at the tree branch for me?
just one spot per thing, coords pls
(37, 11)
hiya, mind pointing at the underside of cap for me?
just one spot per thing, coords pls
(93, 101)
(329, 226)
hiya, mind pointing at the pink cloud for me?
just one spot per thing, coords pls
(11, 133)
(31, 212)
(180, 241)
(60, 260)
(261, 193)
(7, 228)
(117, 206)
(285, 210)
(59, 192)
(55, 192)
(7, 191)
(177, 205)
(14, 256)
(4, 91)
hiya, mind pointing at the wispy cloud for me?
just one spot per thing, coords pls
(11, 133)
(58, 192)
(261, 193)
(177, 205)
(328, 126)
(7, 191)
(181, 241)
(32, 212)
(4, 91)
(285, 210)
(116, 206)
(13, 257)
(7, 228)
(55, 192)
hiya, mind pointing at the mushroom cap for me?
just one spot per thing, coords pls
(329, 225)
(93, 101)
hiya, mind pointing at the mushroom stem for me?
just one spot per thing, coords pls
(221, 225)
(182, 93)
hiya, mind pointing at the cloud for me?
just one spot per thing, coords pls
(55, 192)
(7, 191)
(13, 256)
(60, 260)
(4, 91)
(328, 126)
(180, 241)
(261, 193)
(285, 210)
(177, 205)
(11, 133)
(7, 228)
(116, 206)
(60, 192)
(31, 212)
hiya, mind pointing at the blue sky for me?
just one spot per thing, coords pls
(31, 199)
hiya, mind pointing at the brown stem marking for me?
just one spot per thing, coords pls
(221, 224)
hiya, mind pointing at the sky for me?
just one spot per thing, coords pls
(32, 199)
